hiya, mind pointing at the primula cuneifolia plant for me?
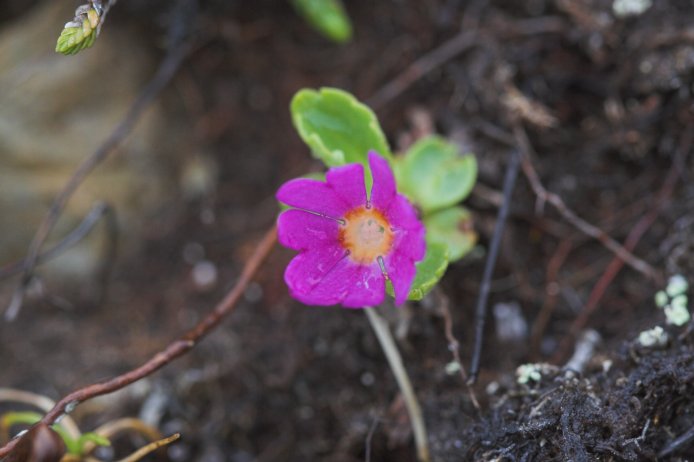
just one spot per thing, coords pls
(350, 245)
(361, 232)
(357, 237)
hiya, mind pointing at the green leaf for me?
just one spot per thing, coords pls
(72, 40)
(429, 271)
(338, 128)
(433, 174)
(452, 227)
(71, 444)
(92, 437)
(326, 16)
(10, 419)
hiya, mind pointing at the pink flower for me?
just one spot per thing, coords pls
(349, 245)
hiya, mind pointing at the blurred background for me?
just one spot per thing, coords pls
(603, 89)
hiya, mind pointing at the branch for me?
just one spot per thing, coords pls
(99, 210)
(174, 350)
(633, 238)
(485, 285)
(167, 69)
(582, 225)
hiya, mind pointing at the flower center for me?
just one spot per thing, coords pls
(366, 234)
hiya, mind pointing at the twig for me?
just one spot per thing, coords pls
(677, 444)
(153, 446)
(454, 345)
(110, 429)
(174, 350)
(485, 285)
(422, 66)
(80, 232)
(632, 239)
(167, 69)
(41, 402)
(380, 327)
(593, 231)
(369, 438)
(551, 295)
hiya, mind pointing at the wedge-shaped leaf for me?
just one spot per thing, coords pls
(326, 16)
(429, 271)
(453, 228)
(433, 174)
(338, 128)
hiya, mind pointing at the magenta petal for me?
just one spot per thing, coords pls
(308, 269)
(343, 282)
(300, 230)
(401, 214)
(401, 271)
(349, 284)
(313, 195)
(368, 287)
(410, 243)
(348, 184)
(409, 231)
(383, 190)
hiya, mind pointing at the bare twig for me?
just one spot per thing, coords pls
(632, 239)
(369, 438)
(551, 295)
(153, 446)
(422, 66)
(593, 231)
(174, 350)
(678, 443)
(98, 211)
(44, 403)
(114, 427)
(485, 285)
(167, 69)
(454, 344)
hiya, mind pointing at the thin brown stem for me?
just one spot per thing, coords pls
(423, 66)
(569, 215)
(454, 345)
(174, 350)
(149, 93)
(632, 239)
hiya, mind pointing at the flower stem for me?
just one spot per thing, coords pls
(380, 327)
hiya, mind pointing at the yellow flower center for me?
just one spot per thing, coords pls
(366, 234)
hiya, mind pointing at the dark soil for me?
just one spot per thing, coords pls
(612, 107)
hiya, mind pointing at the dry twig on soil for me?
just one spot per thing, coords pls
(632, 239)
(593, 231)
(174, 350)
(178, 50)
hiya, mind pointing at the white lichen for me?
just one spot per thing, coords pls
(527, 372)
(653, 337)
(673, 300)
(677, 285)
(661, 299)
(624, 8)
(677, 313)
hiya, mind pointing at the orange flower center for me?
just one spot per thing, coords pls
(366, 234)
